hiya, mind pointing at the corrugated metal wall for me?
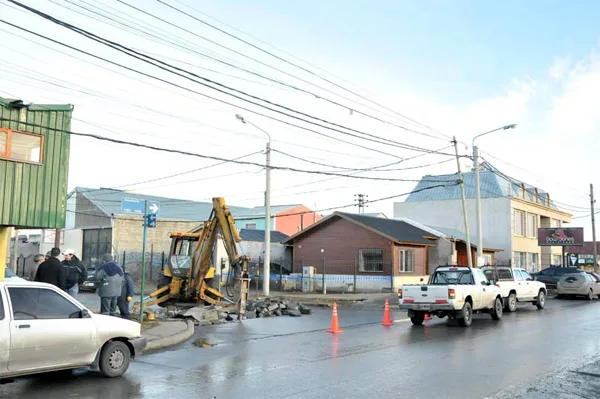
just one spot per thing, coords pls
(34, 196)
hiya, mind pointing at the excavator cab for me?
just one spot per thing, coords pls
(181, 253)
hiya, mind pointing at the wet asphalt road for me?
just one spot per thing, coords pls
(524, 355)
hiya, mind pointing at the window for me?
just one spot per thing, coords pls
(532, 262)
(370, 260)
(251, 226)
(556, 260)
(519, 259)
(555, 223)
(2, 307)
(487, 259)
(407, 261)
(532, 225)
(480, 276)
(20, 146)
(526, 276)
(3, 144)
(519, 223)
(41, 303)
(518, 275)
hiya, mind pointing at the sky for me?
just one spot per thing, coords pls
(431, 70)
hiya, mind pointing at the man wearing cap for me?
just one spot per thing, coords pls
(110, 282)
(75, 270)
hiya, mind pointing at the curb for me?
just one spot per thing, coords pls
(172, 340)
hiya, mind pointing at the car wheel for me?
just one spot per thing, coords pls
(467, 318)
(590, 295)
(497, 310)
(114, 359)
(541, 300)
(512, 302)
(417, 318)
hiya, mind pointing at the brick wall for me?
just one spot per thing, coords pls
(341, 241)
(128, 233)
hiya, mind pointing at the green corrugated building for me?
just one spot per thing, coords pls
(34, 165)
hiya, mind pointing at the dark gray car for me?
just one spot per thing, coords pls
(552, 274)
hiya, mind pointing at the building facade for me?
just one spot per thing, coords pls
(512, 212)
(287, 219)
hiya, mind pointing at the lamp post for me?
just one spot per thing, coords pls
(267, 267)
(478, 192)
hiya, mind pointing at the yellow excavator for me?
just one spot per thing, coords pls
(189, 275)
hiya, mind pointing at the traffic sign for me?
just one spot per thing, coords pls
(151, 221)
(153, 207)
(132, 205)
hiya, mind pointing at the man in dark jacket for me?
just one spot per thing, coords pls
(110, 283)
(126, 296)
(52, 271)
(76, 273)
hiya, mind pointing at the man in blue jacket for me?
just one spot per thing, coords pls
(126, 296)
(110, 283)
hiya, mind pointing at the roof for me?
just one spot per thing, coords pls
(376, 214)
(393, 229)
(259, 235)
(16, 103)
(259, 211)
(109, 201)
(493, 184)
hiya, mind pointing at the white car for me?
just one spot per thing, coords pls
(454, 291)
(517, 285)
(44, 329)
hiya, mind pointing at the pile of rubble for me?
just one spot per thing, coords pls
(207, 315)
(272, 307)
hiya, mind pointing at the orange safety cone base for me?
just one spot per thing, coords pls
(387, 319)
(427, 317)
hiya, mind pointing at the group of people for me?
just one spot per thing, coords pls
(115, 286)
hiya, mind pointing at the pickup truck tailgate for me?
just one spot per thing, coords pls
(430, 294)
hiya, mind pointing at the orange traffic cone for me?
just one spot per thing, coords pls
(387, 319)
(335, 325)
(427, 317)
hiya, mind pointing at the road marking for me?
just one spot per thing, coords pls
(401, 320)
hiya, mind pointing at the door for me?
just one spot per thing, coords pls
(530, 287)
(47, 330)
(4, 335)
(522, 291)
(488, 293)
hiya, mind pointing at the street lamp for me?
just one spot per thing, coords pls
(478, 192)
(267, 271)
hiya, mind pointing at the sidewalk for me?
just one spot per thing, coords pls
(373, 298)
(168, 333)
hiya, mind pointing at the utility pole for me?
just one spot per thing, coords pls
(144, 238)
(267, 267)
(592, 201)
(464, 204)
(478, 191)
(361, 200)
(267, 263)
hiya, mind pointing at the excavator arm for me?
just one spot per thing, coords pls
(195, 286)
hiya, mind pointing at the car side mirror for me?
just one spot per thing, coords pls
(84, 313)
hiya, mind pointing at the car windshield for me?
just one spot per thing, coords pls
(444, 277)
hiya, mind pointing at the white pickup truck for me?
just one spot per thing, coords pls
(456, 292)
(517, 285)
(44, 329)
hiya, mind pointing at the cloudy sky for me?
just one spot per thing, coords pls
(403, 72)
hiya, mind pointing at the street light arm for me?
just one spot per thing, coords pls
(513, 126)
(262, 130)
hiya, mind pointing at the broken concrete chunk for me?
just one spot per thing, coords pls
(294, 313)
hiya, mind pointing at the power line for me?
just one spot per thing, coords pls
(205, 95)
(296, 65)
(221, 87)
(269, 65)
(192, 154)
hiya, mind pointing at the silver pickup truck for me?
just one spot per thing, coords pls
(453, 291)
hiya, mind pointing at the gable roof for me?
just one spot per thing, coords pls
(396, 230)
(259, 235)
(109, 202)
(493, 184)
(376, 214)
